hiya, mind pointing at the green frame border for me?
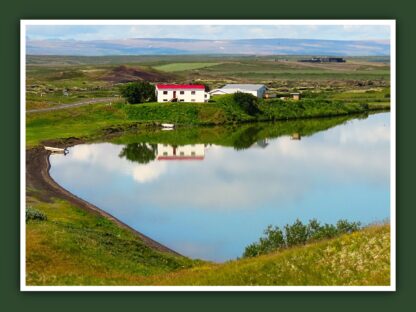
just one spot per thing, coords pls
(11, 297)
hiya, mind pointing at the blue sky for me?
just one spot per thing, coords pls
(213, 32)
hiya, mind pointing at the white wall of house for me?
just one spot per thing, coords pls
(183, 151)
(187, 95)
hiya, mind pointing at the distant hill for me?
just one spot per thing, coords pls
(161, 46)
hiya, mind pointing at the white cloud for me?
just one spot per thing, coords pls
(105, 158)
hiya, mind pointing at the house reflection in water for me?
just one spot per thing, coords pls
(182, 152)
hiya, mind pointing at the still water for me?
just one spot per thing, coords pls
(210, 201)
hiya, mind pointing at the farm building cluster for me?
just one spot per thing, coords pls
(323, 60)
(197, 93)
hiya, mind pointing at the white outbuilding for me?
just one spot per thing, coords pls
(254, 89)
(181, 93)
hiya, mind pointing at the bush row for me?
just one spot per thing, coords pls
(297, 234)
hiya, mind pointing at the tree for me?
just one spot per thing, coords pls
(207, 88)
(138, 92)
(247, 102)
(142, 153)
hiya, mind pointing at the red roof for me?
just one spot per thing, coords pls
(180, 157)
(180, 86)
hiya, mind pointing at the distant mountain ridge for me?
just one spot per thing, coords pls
(176, 46)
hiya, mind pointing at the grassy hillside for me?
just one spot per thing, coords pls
(361, 258)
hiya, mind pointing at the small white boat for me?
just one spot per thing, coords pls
(166, 125)
(56, 149)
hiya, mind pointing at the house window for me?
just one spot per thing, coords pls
(193, 100)
(192, 92)
(165, 100)
(182, 153)
(193, 153)
(182, 100)
(165, 92)
(165, 153)
(182, 92)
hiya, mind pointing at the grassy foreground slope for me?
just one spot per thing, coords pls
(75, 247)
(360, 258)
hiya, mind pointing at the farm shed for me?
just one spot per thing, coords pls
(255, 89)
(295, 96)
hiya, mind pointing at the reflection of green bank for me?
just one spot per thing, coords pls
(238, 136)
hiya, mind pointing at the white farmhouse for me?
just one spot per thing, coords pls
(181, 93)
(254, 89)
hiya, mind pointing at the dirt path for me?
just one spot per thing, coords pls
(80, 103)
(41, 185)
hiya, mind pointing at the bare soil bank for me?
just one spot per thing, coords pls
(40, 184)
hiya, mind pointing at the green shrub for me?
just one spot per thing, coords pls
(297, 234)
(343, 226)
(248, 102)
(34, 214)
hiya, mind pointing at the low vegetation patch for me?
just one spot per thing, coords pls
(297, 233)
(35, 214)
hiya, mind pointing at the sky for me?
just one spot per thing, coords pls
(209, 32)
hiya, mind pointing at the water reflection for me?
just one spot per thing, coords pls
(181, 152)
(142, 153)
(252, 176)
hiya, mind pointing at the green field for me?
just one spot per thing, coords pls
(174, 67)
(49, 77)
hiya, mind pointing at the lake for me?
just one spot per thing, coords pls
(209, 193)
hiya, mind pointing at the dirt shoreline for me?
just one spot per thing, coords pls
(41, 185)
